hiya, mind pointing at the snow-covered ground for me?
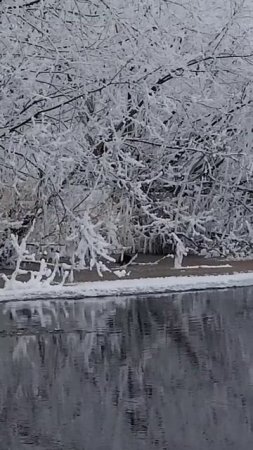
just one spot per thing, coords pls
(21, 291)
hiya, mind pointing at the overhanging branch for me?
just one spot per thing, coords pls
(127, 120)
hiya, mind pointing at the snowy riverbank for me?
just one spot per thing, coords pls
(127, 287)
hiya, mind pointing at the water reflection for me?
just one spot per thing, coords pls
(174, 372)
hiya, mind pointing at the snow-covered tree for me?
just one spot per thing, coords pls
(126, 123)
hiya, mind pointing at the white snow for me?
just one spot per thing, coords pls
(127, 287)
(206, 266)
(121, 273)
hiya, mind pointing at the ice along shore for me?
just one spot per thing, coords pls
(193, 276)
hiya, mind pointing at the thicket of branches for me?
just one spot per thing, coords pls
(126, 123)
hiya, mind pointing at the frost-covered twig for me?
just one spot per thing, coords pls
(36, 279)
(180, 251)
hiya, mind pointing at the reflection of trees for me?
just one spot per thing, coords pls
(114, 375)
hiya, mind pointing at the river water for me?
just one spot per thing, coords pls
(172, 372)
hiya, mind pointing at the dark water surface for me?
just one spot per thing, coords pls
(172, 372)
